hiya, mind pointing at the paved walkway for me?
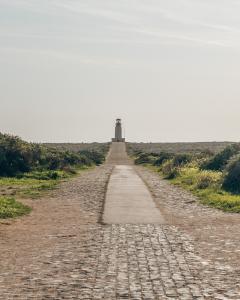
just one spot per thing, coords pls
(118, 155)
(128, 200)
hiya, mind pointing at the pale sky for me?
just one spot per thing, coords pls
(170, 69)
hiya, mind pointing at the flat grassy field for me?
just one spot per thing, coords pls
(75, 147)
(178, 147)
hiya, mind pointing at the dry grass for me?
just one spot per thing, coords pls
(178, 147)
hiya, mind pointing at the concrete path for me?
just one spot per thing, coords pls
(118, 155)
(128, 200)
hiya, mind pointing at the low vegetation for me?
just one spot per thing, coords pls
(29, 169)
(212, 147)
(213, 177)
(10, 208)
(219, 161)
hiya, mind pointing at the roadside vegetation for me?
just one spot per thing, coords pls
(213, 177)
(27, 170)
(213, 147)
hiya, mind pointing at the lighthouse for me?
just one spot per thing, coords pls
(118, 132)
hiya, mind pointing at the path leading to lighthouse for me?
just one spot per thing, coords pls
(62, 251)
(128, 200)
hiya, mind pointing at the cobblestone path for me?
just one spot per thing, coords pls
(153, 262)
(122, 262)
(61, 251)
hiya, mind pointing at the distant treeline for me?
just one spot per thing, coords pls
(18, 156)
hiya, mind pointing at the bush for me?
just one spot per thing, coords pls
(207, 178)
(220, 160)
(181, 159)
(18, 157)
(205, 153)
(94, 157)
(169, 170)
(231, 181)
(15, 156)
(144, 158)
(162, 157)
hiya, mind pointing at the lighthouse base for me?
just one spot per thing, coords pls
(118, 140)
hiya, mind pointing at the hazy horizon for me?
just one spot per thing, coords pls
(169, 69)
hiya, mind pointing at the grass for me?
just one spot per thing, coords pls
(177, 147)
(35, 190)
(10, 208)
(212, 195)
(27, 187)
(30, 185)
(219, 199)
(34, 184)
(75, 147)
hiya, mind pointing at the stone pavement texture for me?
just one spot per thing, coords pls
(61, 251)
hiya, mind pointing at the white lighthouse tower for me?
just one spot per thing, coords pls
(118, 132)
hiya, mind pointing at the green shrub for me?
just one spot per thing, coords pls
(207, 153)
(220, 160)
(154, 154)
(169, 170)
(18, 157)
(231, 181)
(15, 155)
(172, 167)
(162, 157)
(181, 159)
(144, 158)
(206, 179)
(94, 157)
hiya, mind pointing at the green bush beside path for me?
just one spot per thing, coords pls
(213, 178)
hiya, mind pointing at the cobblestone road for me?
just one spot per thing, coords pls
(155, 262)
(122, 262)
(60, 251)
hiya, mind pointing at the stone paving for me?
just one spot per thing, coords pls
(122, 262)
(61, 251)
(155, 262)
